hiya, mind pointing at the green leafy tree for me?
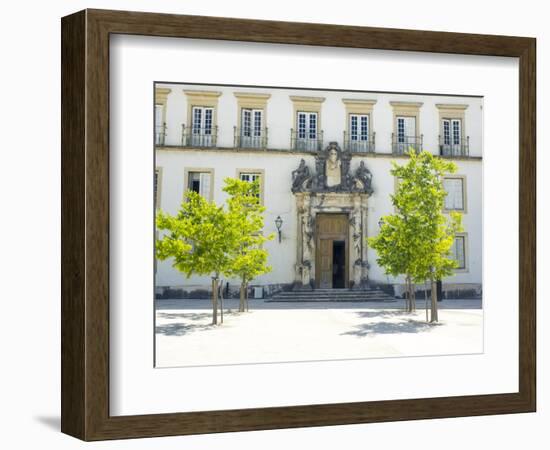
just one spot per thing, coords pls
(249, 259)
(201, 239)
(416, 240)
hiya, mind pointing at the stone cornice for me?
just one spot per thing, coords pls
(303, 99)
(451, 106)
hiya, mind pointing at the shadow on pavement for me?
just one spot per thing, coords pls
(408, 326)
(185, 324)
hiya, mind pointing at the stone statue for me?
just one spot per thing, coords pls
(355, 222)
(333, 169)
(331, 173)
(307, 233)
(300, 176)
(363, 178)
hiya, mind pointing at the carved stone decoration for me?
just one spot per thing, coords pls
(332, 174)
(300, 177)
(330, 187)
(305, 247)
(362, 181)
(333, 169)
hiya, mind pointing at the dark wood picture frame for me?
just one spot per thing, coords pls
(85, 224)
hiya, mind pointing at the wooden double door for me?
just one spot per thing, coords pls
(332, 251)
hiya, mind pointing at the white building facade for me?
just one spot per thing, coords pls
(323, 159)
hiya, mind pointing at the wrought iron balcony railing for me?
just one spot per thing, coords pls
(306, 141)
(359, 144)
(199, 137)
(247, 138)
(160, 134)
(402, 144)
(462, 149)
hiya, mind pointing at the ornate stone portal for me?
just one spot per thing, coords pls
(332, 189)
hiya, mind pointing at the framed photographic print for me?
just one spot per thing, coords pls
(272, 224)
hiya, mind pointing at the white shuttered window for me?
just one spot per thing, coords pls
(458, 251)
(455, 193)
(406, 130)
(201, 183)
(159, 125)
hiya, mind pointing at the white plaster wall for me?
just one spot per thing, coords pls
(278, 166)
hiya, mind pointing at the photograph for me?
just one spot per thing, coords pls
(306, 224)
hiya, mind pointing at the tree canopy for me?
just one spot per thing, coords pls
(206, 239)
(249, 259)
(417, 239)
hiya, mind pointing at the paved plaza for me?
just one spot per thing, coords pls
(279, 332)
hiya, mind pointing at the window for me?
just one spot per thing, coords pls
(202, 126)
(251, 128)
(454, 201)
(251, 176)
(359, 127)
(452, 137)
(406, 118)
(452, 131)
(202, 120)
(156, 188)
(359, 134)
(161, 99)
(307, 125)
(406, 130)
(307, 136)
(160, 126)
(405, 135)
(200, 182)
(458, 252)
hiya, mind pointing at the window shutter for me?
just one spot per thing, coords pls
(364, 128)
(258, 122)
(158, 117)
(207, 121)
(410, 127)
(457, 131)
(459, 251)
(312, 125)
(197, 120)
(301, 125)
(159, 125)
(446, 131)
(155, 189)
(204, 185)
(401, 130)
(455, 193)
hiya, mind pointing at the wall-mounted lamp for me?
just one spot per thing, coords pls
(381, 222)
(279, 224)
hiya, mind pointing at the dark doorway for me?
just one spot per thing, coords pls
(338, 264)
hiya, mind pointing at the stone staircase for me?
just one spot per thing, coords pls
(333, 295)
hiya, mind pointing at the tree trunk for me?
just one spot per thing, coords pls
(407, 293)
(434, 317)
(411, 303)
(426, 298)
(220, 290)
(214, 300)
(413, 297)
(242, 296)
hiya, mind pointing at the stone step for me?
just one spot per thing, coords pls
(332, 295)
(335, 300)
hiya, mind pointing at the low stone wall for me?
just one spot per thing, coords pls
(229, 291)
(450, 290)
